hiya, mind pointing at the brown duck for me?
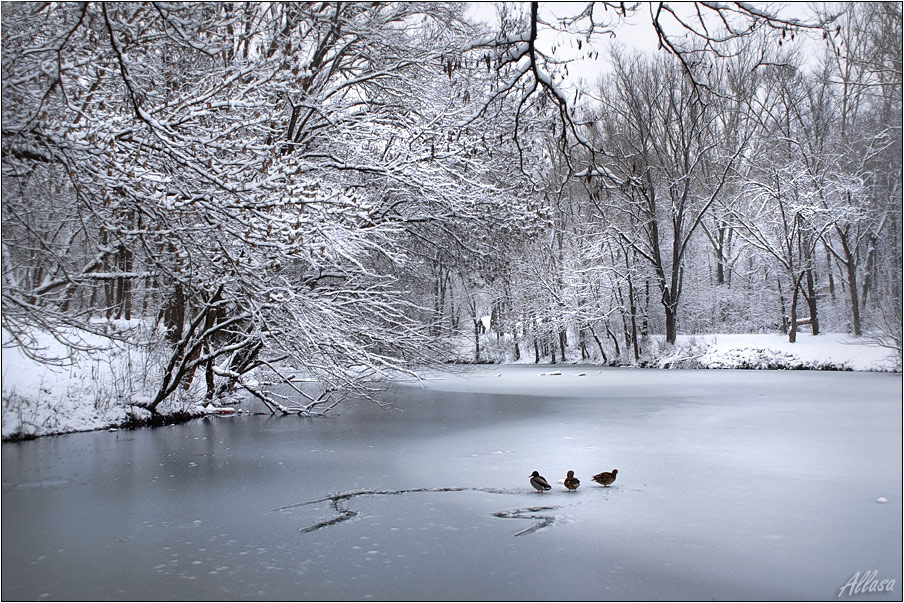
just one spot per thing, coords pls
(571, 482)
(605, 478)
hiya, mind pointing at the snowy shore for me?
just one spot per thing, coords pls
(84, 395)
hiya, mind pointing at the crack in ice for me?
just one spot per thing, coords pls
(343, 513)
(544, 520)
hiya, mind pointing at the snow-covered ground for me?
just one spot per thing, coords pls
(79, 390)
(728, 351)
(732, 485)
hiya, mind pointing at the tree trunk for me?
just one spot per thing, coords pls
(174, 315)
(720, 257)
(124, 260)
(494, 319)
(781, 304)
(870, 268)
(829, 274)
(439, 298)
(627, 333)
(515, 339)
(855, 302)
(614, 340)
(671, 325)
(645, 320)
(563, 342)
(633, 306)
(599, 344)
(209, 378)
(811, 302)
(453, 315)
(792, 329)
(850, 264)
(533, 328)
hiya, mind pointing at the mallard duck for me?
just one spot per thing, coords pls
(605, 478)
(571, 482)
(539, 482)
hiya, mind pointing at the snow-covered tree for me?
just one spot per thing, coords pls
(666, 164)
(246, 175)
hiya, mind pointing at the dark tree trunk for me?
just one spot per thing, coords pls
(856, 322)
(614, 340)
(792, 329)
(632, 301)
(209, 376)
(124, 260)
(720, 257)
(174, 315)
(850, 265)
(812, 302)
(829, 273)
(781, 304)
(870, 269)
(533, 328)
(563, 342)
(599, 344)
(671, 325)
(515, 339)
(645, 320)
(453, 315)
(627, 333)
(439, 297)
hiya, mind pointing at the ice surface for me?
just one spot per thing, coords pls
(731, 485)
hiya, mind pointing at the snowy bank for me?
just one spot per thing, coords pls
(770, 351)
(80, 390)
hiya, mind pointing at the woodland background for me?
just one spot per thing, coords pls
(232, 194)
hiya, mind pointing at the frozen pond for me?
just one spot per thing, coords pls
(731, 485)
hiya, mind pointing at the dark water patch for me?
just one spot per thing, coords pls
(159, 420)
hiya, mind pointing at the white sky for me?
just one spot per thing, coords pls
(634, 32)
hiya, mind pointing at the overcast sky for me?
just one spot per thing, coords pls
(634, 32)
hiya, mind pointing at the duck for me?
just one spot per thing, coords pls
(539, 482)
(605, 478)
(571, 482)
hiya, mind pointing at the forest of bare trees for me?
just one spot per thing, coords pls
(346, 190)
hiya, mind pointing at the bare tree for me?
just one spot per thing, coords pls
(863, 76)
(667, 167)
(783, 215)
